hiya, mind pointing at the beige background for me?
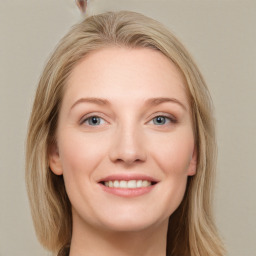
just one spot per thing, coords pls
(220, 34)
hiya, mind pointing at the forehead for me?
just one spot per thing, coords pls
(117, 72)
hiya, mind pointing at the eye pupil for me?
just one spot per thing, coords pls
(160, 120)
(94, 120)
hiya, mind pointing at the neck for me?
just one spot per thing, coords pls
(91, 241)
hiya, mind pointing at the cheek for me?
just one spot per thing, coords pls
(80, 154)
(174, 154)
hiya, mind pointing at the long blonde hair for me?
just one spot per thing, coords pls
(191, 228)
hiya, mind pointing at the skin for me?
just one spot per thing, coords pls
(126, 140)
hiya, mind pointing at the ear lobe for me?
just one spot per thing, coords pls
(193, 164)
(54, 159)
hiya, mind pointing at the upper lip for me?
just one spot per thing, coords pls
(127, 177)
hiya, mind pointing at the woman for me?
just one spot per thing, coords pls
(121, 144)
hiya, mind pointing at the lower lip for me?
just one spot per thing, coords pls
(127, 192)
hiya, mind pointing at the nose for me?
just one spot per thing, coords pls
(128, 146)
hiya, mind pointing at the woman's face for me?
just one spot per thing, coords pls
(125, 143)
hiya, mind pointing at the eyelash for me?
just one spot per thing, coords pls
(170, 118)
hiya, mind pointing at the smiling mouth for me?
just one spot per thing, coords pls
(130, 184)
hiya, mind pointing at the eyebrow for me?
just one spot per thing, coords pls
(98, 101)
(148, 102)
(157, 101)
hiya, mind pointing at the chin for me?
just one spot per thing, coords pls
(128, 226)
(131, 221)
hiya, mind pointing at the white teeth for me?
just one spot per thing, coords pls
(123, 184)
(132, 184)
(145, 183)
(127, 184)
(116, 184)
(139, 183)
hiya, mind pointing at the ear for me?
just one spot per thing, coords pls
(54, 159)
(193, 164)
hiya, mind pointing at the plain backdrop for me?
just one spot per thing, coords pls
(220, 34)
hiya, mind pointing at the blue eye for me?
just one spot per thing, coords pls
(161, 120)
(93, 121)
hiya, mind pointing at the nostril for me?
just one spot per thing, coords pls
(128, 150)
(129, 161)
